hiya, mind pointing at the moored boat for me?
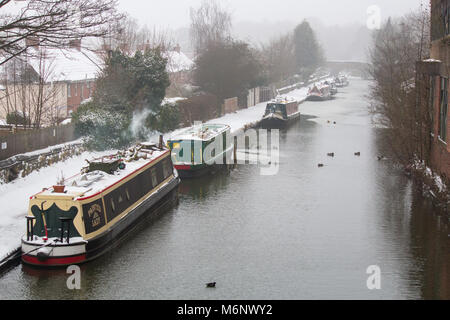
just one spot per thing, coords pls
(84, 218)
(280, 113)
(341, 81)
(319, 92)
(201, 148)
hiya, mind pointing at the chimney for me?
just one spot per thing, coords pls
(75, 44)
(32, 42)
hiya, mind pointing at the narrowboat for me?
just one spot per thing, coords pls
(319, 92)
(200, 149)
(280, 113)
(333, 88)
(86, 215)
(341, 81)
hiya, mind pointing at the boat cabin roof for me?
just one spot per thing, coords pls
(203, 132)
(281, 101)
(85, 185)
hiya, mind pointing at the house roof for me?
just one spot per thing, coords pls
(66, 65)
(178, 61)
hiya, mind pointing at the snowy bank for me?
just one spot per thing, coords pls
(14, 196)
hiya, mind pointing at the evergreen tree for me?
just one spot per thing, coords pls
(308, 52)
(129, 88)
(228, 69)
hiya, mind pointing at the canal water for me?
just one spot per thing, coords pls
(304, 233)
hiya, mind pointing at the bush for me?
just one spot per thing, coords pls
(16, 118)
(102, 128)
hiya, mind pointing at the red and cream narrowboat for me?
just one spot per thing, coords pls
(84, 218)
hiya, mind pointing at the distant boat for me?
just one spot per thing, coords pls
(280, 113)
(319, 92)
(189, 146)
(341, 81)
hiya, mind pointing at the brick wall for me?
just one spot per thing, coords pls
(77, 92)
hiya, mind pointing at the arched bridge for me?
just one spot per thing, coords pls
(355, 68)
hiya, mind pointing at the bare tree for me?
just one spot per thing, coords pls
(210, 24)
(396, 93)
(53, 23)
(30, 92)
(128, 37)
(279, 58)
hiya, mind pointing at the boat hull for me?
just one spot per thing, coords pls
(278, 123)
(81, 252)
(318, 98)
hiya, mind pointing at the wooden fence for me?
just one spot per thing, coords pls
(26, 141)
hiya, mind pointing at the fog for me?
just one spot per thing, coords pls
(339, 24)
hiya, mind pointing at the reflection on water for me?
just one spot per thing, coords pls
(305, 233)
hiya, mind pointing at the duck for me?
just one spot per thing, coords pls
(211, 285)
(357, 154)
(320, 165)
(330, 154)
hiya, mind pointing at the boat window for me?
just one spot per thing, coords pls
(128, 194)
(113, 206)
(154, 178)
(166, 168)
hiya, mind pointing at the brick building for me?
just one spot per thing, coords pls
(68, 80)
(434, 76)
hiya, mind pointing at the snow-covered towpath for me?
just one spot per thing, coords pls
(14, 196)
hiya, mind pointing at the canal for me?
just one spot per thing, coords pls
(304, 233)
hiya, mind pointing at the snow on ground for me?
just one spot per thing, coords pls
(14, 196)
(48, 149)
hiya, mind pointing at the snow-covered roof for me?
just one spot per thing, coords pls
(172, 101)
(431, 60)
(66, 65)
(89, 184)
(203, 132)
(178, 61)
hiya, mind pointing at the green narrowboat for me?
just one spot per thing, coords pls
(198, 149)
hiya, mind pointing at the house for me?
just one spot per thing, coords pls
(433, 77)
(49, 84)
(179, 67)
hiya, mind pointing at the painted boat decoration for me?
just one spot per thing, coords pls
(319, 92)
(94, 210)
(201, 148)
(280, 113)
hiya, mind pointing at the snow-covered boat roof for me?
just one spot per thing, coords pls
(203, 132)
(282, 100)
(86, 185)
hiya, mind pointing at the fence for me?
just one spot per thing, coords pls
(26, 141)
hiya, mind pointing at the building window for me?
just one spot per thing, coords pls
(69, 91)
(443, 108)
(431, 102)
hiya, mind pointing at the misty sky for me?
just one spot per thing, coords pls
(175, 13)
